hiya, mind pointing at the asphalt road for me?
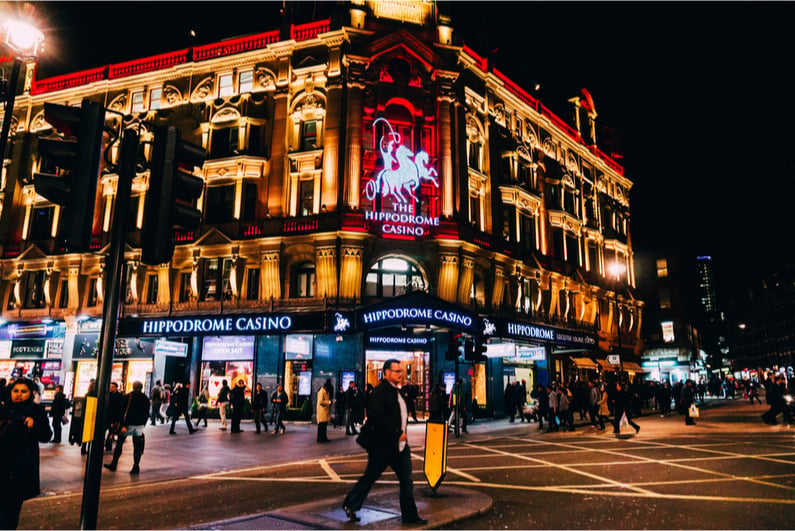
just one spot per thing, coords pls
(730, 471)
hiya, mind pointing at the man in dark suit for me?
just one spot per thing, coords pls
(387, 419)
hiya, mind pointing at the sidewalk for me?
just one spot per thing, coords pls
(380, 511)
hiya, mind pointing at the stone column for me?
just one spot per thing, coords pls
(270, 286)
(326, 271)
(353, 166)
(448, 276)
(466, 273)
(351, 272)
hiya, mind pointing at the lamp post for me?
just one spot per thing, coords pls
(23, 40)
(617, 269)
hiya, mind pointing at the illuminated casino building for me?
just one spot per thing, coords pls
(373, 189)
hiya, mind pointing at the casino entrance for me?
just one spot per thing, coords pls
(412, 350)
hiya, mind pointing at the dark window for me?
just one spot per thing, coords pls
(474, 208)
(252, 284)
(304, 285)
(474, 155)
(557, 243)
(33, 290)
(184, 287)
(92, 293)
(309, 135)
(41, 223)
(507, 217)
(569, 201)
(256, 140)
(552, 197)
(505, 170)
(132, 217)
(249, 202)
(526, 175)
(224, 142)
(306, 198)
(151, 292)
(215, 279)
(528, 232)
(572, 249)
(592, 257)
(220, 204)
(63, 302)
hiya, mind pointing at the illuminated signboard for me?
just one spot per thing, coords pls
(401, 179)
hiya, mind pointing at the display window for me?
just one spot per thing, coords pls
(298, 349)
(87, 371)
(215, 372)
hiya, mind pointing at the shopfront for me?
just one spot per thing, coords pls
(229, 358)
(34, 351)
(133, 359)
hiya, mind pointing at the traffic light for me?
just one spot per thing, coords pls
(475, 350)
(172, 191)
(453, 345)
(76, 188)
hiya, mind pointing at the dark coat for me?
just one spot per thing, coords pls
(117, 402)
(60, 405)
(279, 401)
(383, 418)
(260, 400)
(19, 448)
(137, 413)
(237, 396)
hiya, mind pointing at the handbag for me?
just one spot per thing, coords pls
(366, 438)
(64, 420)
(623, 421)
(694, 412)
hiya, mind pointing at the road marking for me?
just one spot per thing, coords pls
(330, 471)
(576, 471)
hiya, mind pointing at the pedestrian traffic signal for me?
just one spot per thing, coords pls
(453, 345)
(475, 350)
(171, 195)
(73, 186)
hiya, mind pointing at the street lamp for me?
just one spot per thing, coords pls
(23, 40)
(617, 269)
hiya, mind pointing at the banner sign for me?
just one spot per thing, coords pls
(232, 324)
(539, 333)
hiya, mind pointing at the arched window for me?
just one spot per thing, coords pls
(390, 277)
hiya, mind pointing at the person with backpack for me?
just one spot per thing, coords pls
(156, 396)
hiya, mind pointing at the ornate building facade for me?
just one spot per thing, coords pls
(370, 187)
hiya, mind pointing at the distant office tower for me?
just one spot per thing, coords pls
(706, 284)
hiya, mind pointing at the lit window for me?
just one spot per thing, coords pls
(225, 87)
(246, 81)
(662, 268)
(155, 95)
(309, 135)
(668, 331)
(138, 101)
(306, 200)
(304, 281)
(391, 277)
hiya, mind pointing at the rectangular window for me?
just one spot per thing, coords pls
(474, 155)
(184, 287)
(252, 284)
(249, 202)
(309, 135)
(662, 268)
(220, 204)
(225, 86)
(528, 232)
(41, 223)
(132, 214)
(33, 294)
(215, 280)
(572, 249)
(668, 331)
(63, 302)
(137, 101)
(474, 208)
(593, 264)
(155, 97)
(255, 137)
(246, 82)
(92, 293)
(665, 298)
(151, 289)
(306, 199)
(224, 142)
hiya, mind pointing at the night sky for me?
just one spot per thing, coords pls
(699, 92)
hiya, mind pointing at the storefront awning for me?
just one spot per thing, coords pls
(632, 366)
(584, 363)
(606, 366)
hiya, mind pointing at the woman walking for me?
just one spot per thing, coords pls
(324, 411)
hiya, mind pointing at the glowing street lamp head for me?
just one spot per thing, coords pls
(617, 269)
(22, 38)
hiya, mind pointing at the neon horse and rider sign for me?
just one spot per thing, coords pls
(400, 179)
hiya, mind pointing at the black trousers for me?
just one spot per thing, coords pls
(57, 428)
(10, 507)
(617, 421)
(259, 419)
(322, 431)
(376, 464)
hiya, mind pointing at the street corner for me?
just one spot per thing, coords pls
(380, 511)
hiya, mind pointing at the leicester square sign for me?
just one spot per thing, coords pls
(400, 180)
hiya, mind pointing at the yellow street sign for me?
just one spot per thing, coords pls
(89, 418)
(435, 466)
